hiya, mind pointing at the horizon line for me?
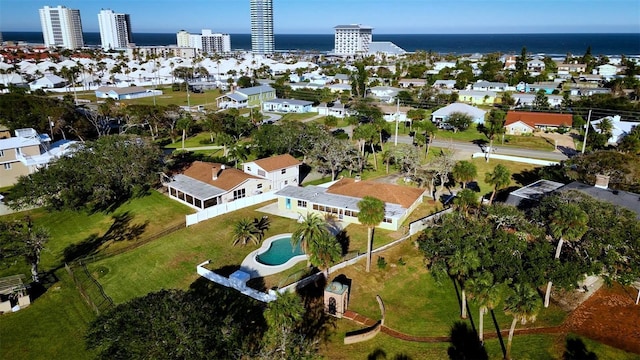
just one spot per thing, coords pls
(394, 33)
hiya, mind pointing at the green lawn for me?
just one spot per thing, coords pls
(298, 117)
(52, 327)
(169, 97)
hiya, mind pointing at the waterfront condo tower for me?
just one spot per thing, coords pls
(207, 42)
(352, 39)
(262, 40)
(115, 30)
(61, 27)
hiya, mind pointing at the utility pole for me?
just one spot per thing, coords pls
(586, 131)
(395, 143)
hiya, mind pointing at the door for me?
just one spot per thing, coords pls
(288, 203)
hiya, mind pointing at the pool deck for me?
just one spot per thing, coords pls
(251, 266)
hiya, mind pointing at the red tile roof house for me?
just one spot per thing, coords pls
(203, 185)
(522, 122)
(280, 170)
(341, 199)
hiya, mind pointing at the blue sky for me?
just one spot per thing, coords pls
(320, 16)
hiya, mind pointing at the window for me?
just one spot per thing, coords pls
(261, 173)
(284, 171)
(286, 182)
(259, 186)
(7, 166)
(238, 194)
(248, 168)
(1, 153)
(387, 220)
(302, 204)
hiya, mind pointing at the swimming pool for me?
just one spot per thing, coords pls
(280, 251)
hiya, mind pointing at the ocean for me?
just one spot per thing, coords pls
(551, 44)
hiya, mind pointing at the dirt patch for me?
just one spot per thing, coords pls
(609, 316)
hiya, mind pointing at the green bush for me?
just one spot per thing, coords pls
(382, 263)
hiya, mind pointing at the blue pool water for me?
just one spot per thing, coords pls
(279, 252)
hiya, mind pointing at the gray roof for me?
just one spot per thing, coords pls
(460, 107)
(353, 26)
(122, 91)
(236, 96)
(255, 90)
(289, 101)
(195, 188)
(341, 77)
(385, 47)
(621, 198)
(319, 195)
(533, 191)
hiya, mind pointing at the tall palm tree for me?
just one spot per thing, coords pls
(523, 304)
(461, 264)
(494, 126)
(486, 294)
(567, 223)
(465, 199)
(499, 178)
(325, 251)
(371, 213)
(244, 232)
(464, 172)
(606, 127)
(184, 124)
(282, 317)
(308, 231)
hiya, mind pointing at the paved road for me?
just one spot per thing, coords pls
(503, 150)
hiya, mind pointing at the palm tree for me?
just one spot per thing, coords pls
(499, 178)
(606, 127)
(325, 251)
(371, 213)
(569, 223)
(464, 172)
(184, 124)
(262, 225)
(244, 231)
(494, 126)
(486, 294)
(282, 317)
(238, 152)
(308, 231)
(523, 304)
(465, 199)
(461, 264)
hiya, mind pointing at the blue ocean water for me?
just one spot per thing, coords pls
(561, 44)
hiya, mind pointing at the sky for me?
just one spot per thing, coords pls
(320, 16)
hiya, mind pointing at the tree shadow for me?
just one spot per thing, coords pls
(316, 323)
(575, 349)
(473, 186)
(526, 177)
(465, 343)
(120, 230)
(499, 333)
(344, 241)
(305, 170)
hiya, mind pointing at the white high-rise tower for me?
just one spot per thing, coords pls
(352, 39)
(115, 29)
(262, 40)
(61, 27)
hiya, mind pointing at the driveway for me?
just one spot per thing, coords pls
(564, 142)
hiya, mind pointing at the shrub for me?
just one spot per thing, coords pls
(382, 263)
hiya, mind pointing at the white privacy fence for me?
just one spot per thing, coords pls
(224, 208)
(423, 223)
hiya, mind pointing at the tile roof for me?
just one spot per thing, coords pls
(534, 119)
(277, 162)
(228, 178)
(389, 193)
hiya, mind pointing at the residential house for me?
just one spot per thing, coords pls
(572, 68)
(527, 100)
(27, 152)
(619, 128)
(524, 122)
(489, 86)
(412, 83)
(342, 79)
(384, 93)
(336, 109)
(548, 87)
(590, 78)
(444, 84)
(477, 97)
(442, 114)
(583, 90)
(341, 200)
(205, 184)
(280, 170)
(394, 113)
(607, 70)
(306, 85)
(336, 88)
(126, 93)
(509, 62)
(246, 97)
(49, 81)
(535, 65)
(287, 106)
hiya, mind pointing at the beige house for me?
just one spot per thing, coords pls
(27, 152)
(342, 197)
(204, 184)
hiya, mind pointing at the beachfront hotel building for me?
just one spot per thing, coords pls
(61, 27)
(115, 29)
(352, 39)
(208, 42)
(262, 39)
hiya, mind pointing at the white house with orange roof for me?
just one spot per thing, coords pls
(280, 170)
(341, 199)
(203, 185)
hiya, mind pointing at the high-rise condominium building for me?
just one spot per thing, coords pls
(115, 29)
(262, 40)
(61, 27)
(352, 39)
(207, 42)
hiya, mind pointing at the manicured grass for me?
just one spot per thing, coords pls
(298, 117)
(72, 227)
(191, 141)
(52, 327)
